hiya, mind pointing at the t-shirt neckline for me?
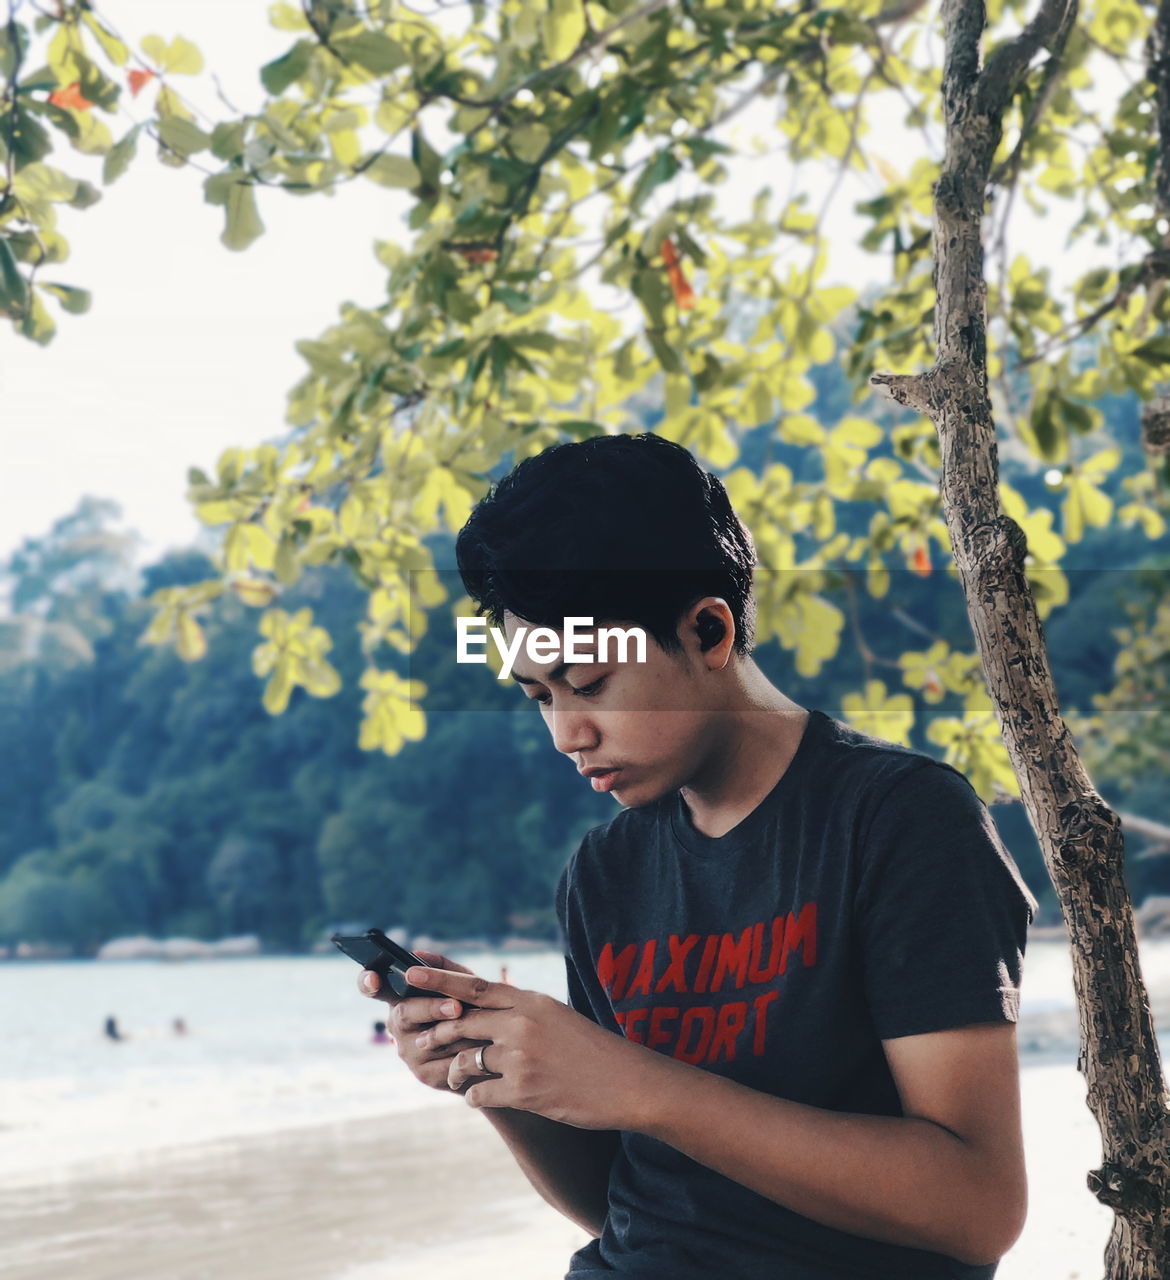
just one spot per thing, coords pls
(749, 826)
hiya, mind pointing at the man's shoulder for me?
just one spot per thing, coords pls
(863, 764)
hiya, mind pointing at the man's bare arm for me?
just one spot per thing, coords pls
(568, 1166)
(948, 1175)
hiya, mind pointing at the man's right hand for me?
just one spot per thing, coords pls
(410, 1015)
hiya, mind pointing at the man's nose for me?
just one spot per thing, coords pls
(572, 729)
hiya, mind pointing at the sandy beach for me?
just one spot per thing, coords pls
(389, 1197)
(176, 1159)
(409, 1196)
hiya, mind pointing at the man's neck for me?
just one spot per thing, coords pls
(756, 743)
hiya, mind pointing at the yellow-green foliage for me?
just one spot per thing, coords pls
(590, 147)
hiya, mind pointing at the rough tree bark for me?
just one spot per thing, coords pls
(1080, 836)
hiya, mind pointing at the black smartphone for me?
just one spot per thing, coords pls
(373, 950)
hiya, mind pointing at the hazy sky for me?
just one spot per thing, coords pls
(188, 347)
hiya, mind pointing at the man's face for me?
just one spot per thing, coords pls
(648, 724)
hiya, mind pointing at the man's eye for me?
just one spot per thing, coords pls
(542, 698)
(588, 690)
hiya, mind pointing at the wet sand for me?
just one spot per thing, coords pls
(364, 1200)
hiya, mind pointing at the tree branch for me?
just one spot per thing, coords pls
(1158, 54)
(1154, 267)
(1010, 167)
(911, 390)
(898, 11)
(1001, 78)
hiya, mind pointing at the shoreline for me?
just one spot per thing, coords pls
(197, 951)
(401, 1196)
(357, 1198)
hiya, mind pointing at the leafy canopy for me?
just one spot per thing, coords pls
(554, 153)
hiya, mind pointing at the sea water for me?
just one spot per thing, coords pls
(271, 1043)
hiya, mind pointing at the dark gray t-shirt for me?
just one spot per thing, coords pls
(867, 896)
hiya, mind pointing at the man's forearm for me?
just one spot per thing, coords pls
(903, 1180)
(568, 1166)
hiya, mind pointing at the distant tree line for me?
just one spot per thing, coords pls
(142, 793)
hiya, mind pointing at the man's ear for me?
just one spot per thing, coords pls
(712, 623)
(711, 631)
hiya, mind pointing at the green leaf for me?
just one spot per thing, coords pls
(372, 50)
(1155, 352)
(28, 141)
(661, 169)
(801, 429)
(43, 182)
(227, 140)
(277, 75)
(113, 48)
(13, 286)
(93, 139)
(85, 195)
(243, 218)
(563, 28)
(75, 301)
(37, 323)
(97, 87)
(287, 17)
(704, 148)
(428, 160)
(1043, 422)
(190, 640)
(516, 302)
(40, 81)
(667, 356)
(118, 158)
(180, 57)
(235, 193)
(182, 136)
(393, 171)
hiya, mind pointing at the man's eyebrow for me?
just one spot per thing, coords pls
(554, 674)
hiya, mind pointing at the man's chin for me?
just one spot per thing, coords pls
(635, 796)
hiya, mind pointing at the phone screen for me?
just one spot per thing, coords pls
(365, 951)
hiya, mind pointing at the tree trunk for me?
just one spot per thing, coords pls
(1080, 836)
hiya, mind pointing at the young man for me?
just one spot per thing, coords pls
(793, 957)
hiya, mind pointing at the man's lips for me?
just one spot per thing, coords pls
(601, 778)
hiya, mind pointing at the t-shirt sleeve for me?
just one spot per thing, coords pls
(941, 913)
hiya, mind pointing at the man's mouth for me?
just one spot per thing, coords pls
(601, 779)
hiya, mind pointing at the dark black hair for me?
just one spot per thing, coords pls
(616, 528)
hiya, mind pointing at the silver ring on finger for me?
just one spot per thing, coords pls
(479, 1062)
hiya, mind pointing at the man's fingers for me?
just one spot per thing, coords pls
(475, 1026)
(437, 961)
(464, 986)
(416, 1012)
(463, 1069)
(369, 984)
(447, 1052)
